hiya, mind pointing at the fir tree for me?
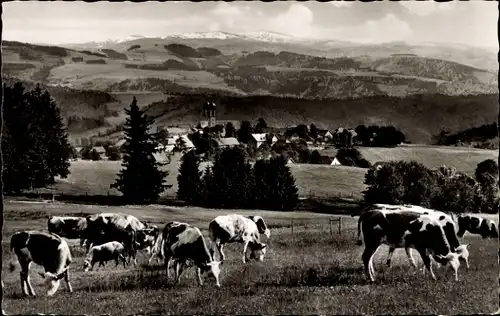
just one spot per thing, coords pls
(35, 141)
(283, 193)
(140, 180)
(189, 179)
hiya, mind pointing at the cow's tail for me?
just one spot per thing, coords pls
(158, 247)
(17, 241)
(361, 218)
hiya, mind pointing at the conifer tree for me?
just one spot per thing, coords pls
(140, 180)
(282, 191)
(189, 179)
(34, 141)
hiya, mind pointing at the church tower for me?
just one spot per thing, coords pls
(209, 112)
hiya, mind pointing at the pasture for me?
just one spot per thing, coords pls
(95, 177)
(307, 272)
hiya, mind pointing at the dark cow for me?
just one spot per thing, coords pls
(106, 227)
(445, 220)
(477, 225)
(45, 249)
(182, 243)
(237, 228)
(405, 230)
(65, 226)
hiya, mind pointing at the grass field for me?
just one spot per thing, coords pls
(309, 272)
(321, 181)
(95, 177)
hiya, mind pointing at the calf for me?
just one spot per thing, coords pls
(477, 225)
(112, 250)
(48, 250)
(183, 243)
(405, 229)
(236, 228)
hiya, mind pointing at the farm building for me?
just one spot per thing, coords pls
(101, 151)
(227, 142)
(335, 162)
(290, 161)
(324, 135)
(257, 140)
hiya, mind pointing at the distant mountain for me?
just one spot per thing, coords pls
(247, 66)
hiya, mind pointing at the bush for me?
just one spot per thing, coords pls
(113, 153)
(443, 189)
(352, 157)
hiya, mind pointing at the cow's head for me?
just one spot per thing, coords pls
(466, 222)
(211, 271)
(52, 281)
(258, 250)
(87, 266)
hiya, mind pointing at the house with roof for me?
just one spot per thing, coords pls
(324, 135)
(101, 151)
(257, 140)
(335, 162)
(227, 142)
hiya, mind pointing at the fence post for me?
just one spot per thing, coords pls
(330, 223)
(340, 225)
(53, 197)
(292, 231)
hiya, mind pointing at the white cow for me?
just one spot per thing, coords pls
(237, 228)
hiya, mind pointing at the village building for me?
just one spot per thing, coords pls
(227, 142)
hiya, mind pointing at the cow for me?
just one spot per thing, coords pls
(445, 220)
(105, 227)
(182, 243)
(237, 228)
(65, 226)
(477, 225)
(45, 249)
(112, 250)
(403, 229)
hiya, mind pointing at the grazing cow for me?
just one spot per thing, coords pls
(48, 250)
(405, 230)
(183, 243)
(444, 219)
(112, 250)
(477, 225)
(463, 253)
(67, 226)
(236, 228)
(105, 227)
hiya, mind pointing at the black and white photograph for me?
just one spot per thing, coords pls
(250, 158)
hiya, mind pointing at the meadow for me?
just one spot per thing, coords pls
(315, 181)
(308, 272)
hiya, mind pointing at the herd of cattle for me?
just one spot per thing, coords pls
(117, 237)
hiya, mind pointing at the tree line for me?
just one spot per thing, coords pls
(232, 182)
(444, 188)
(481, 135)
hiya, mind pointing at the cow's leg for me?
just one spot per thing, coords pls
(117, 261)
(66, 279)
(27, 278)
(367, 257)
(245, 246)
(179, 268)
(124, 261)
(389, 257)
(427, 262)
(198, 274)
(410, 258)
(167, 266)
(23, 275)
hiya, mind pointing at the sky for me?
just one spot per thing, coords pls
(54, 22)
